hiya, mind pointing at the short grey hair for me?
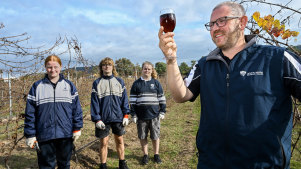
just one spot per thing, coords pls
(236, 8)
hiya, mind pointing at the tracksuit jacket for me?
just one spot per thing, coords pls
(147, 99)
(246, 112)
(109, 101)
(52, 112)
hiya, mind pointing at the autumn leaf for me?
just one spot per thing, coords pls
(276, 24)
(294, 33)
(256, 16)
(286, 34)
(260, 22)
(269, 18)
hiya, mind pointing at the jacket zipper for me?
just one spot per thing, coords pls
(227, 148)
(55, 120)
(110, 95)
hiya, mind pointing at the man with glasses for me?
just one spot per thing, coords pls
(109, 109)
(245, 91)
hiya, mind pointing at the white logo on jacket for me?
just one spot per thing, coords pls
(258, 73)
(243, 73)
(152, 86)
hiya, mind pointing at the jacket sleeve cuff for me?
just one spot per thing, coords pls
(76, 129)
(29, 136)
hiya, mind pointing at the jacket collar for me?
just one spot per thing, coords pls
(215, 54)
(146, 80)
(46, 79)
(107, 77)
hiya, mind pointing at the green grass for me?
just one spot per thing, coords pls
(296, 156)
(177, 143)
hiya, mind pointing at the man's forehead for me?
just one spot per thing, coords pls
(220, 12)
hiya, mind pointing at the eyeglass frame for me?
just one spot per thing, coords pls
(210, 25)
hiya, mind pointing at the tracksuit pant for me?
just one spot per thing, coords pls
(57, 151)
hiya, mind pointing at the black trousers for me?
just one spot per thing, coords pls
(57, 151)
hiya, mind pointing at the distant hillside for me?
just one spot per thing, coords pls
(298, 47)
(85, 69)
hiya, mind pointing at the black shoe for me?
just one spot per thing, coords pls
(122, 164)
(145, 159)
(157, 159)
(103, 166)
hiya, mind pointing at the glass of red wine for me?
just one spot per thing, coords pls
(168, 19)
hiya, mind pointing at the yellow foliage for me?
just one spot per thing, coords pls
(269, 18)
(260, 22)
(256, 16)
(276, 24)
(295, 33)
(273, 26)
(286, 34)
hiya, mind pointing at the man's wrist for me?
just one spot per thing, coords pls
(171, 61)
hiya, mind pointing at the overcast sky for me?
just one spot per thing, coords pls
(116, 28)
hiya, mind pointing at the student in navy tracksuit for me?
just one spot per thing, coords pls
(147, 108)
(109, 109)
(53, 117)
(245, 91)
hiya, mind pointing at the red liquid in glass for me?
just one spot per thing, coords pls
(168, 21)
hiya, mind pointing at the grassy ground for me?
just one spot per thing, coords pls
(296, 157)
(177, 144)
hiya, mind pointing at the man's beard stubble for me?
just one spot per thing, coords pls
(232, 38)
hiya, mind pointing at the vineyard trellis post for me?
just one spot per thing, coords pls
(10, 95)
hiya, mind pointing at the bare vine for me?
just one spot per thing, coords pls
(18, 58)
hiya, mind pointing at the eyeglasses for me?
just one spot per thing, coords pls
(220, 22)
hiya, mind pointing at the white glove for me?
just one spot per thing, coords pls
(125, 121)
(162, 116)
(134, 119)
(30, 141)
(76, 135)
(100, 125)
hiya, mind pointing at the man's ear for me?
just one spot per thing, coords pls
(243, 22)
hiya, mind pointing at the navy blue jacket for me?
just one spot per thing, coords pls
(147, 99)
(246, 113)
(109, 101)
(52, 113)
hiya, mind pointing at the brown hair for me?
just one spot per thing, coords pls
(53, 58)
(154, 72)
(110, 61)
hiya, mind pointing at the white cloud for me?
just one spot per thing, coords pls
(118, 28)
(8, 11)
(104, 17)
